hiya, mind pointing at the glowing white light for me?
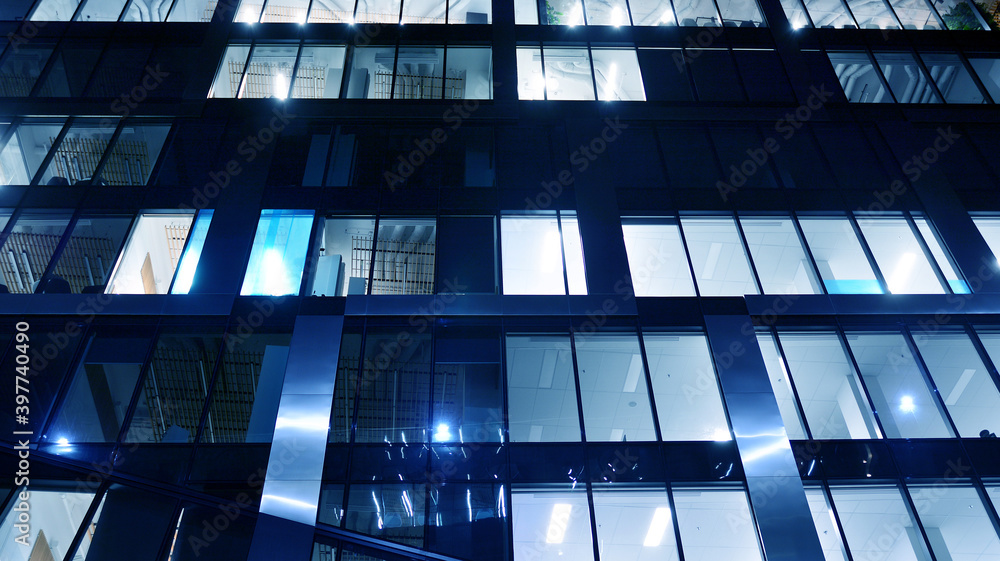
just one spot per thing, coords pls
(906, 404)
(62, 442)
(575, 16)
(443, 434)
(901, 274)
(667, 17)
(558, 522)
(617, 16)
(609, 85)
(721, 435)
(280, 86)
(657, 527)
(276, 282)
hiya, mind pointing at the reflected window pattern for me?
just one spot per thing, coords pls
(569, 74)
(904, 73)
(907, 79)
(858, 77)
(542, 254)
(278, 254)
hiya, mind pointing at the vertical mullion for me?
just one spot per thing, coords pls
(938, 272)
(808, 252)
(649, 383)
(787, 371)
(852, 220)
(746, 248)
(687, 254)
(842, 335)
(929, 379)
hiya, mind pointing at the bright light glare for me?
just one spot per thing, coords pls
(276, 282)
(657, 527)
(617, 16)
(63, 442)
(609, 85)
(443, 434)
(280, 86)
(901, 274)
(906, 404)
(558, 522)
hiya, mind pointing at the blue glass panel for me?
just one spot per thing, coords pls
(279, 253)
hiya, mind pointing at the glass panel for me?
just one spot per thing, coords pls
(607, 12)
(55, 517)
(541, 391)
(988, 70)
(551, 524)
(525, 12)
(781, 384)
(613, 388)
(469, 73)
(468, 395)
(128, 519)
(531, 256)
(962, 380)
(618, 77)
(331, 504)
(189, 261)
(319, 73)
(371, 72)
(278, 255)
(564, 12)
(956, 283)
(424, 11)
(174, 391)
(29, 248)
(573, 250)
(916, 14)
(193, 10)
(55, 10)
(80, 151)
(906, 79)
(269, 73)
(25, 150)
(718, 258)
(697, 13)
(634, 524)
(332, 11)
(873, 15)
(955, 521)
(715, 523)
(741, 13)
(101, 10)
(404, 257)
(657, 260)
(472, 11)
(829, 14)
(71, 70)
(952, 78)
(530, 81)
(899, 256)
(378, 11)
(989, 227)
(468, 521)
(419, 74)
(285, 11)
(150, 258)
(230, 545)
(567, 74)
(833, 399)
(394, 396)
(877, 523)
(20, 67)
(245, 397)
(227, 81)
(86, 262)
(781, 263)
(134, 154)
(95, 406)
(347, 383)
(249, 11)
(897, 387)
(796, 13)
(652, 12)
(841, 260)
(958, 14)
(150, 10)
(858, 78)
(685, 388)
(392, 512)
(826, 525)
(344, 260)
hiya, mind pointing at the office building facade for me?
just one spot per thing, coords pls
(338, 280)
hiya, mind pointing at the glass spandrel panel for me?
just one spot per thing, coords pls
(900, 393)
(962, 380)
(174, 390)
(906, 78)
(230, 545)
(718, 258)
(551, 524)
(56, 515)
(826, 525)
(841, 260)
(657, 260)
(858, 77)
(685, 387)
(715, 523)
(878, 510)
(832, 397)
(90, 253)
(127, 518)
(634, 524)
(541, 390)
(781, 385)
(71, 69)
(780, 260)
(613, 388)
(899, 256)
